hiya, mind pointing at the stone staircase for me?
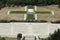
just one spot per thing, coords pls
(29, 37)
(32, 38)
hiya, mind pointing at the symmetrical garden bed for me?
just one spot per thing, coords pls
(30, 17)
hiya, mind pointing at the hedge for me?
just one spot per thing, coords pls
(18, 12)
(43, 12)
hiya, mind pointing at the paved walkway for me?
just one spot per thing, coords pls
(41, 29)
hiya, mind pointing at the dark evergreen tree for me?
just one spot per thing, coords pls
(59, 3)
(55, 35)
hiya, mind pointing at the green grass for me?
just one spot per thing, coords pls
(10, 38)
(30, 7)
(7, 38)
(18, 12)
(30, 17)
(43, 12)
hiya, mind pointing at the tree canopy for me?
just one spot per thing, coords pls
(13, 3)
(55, 35)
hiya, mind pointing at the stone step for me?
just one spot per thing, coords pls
(29, 37)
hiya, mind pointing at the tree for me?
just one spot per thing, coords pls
(9, 3)
(55, 35)
(59, 3)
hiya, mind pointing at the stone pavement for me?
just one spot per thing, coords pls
(41, 29)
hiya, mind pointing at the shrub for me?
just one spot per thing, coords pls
(56, 21)
(35, 38)
(23, 38)
(43, 21)
(2, 38)
(4, 21)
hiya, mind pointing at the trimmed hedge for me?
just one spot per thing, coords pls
(18, 12)
(43, 12)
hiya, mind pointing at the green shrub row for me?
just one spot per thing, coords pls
(43, 12)
(15, 12)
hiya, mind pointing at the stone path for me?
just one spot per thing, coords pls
(41, 29)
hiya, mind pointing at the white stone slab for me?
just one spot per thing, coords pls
(41, 29)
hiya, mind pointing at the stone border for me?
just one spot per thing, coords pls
(35, 8)
(35, 16)
(25, 16)
(8, 12)
(25, 8)
(52, 12)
